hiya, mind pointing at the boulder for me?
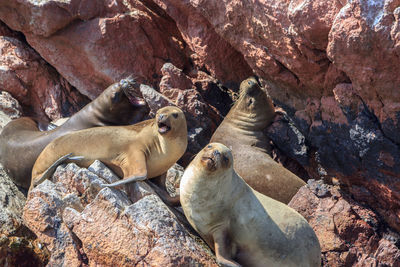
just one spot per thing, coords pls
(83, 224)
(35, 84)
(95, 43)
(350, 234)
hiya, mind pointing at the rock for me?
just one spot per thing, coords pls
(178, 89)
(202, 119)
(10, 106)
(35, 84)
(84, 224)
(364, 42)
(9, 109)
(173, 179)
(211, 51)
(350, 234)
(154, 99)
(78, 38)
(18, 245)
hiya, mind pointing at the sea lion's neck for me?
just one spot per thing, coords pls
(248, 121)
(195, 186)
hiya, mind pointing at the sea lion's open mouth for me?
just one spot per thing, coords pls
(131, 89)
(137, 101)
(163, 127)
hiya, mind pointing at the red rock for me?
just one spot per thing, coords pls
(363, 43)
(211, 51)
(312, 21)
(33, 82)
(94, 44)
(266, 41)
(349, 233)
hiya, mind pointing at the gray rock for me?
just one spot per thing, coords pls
(83, 224)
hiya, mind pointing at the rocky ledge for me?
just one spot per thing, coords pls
(83, 224)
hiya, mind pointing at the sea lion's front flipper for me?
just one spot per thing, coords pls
(222, 248)
(132, 172)
(47, 174)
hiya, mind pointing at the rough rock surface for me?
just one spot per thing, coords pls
(35, 84)
(178, 89)
(350, 234)
(209, 50)
(94, 43)
(18, 245)
(9, 109)
(85, 225)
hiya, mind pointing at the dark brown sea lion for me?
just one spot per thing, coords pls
(21, 141)
(243, 226)
(136, 152)
(242, 131)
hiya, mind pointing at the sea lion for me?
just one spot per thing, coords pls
(242, 131)
(241, 225)
(136, 152)
(21, 141)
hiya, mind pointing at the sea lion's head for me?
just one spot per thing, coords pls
(121, 103)
(252, 99)
(254, 109)
(170, 121)
(215, 157)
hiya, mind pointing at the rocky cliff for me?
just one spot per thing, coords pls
(331, 66)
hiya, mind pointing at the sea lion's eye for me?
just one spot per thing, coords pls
(209, 146)
(225, 159)
(250, 101)
(175, 115)
(249, 82)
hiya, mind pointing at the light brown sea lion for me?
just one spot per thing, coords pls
(136, 152)
(21, 141)
(241, 225)
(242, 132)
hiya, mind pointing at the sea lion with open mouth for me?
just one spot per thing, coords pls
(242, 131)
(242, 226)
(21, 141)
(144, 150)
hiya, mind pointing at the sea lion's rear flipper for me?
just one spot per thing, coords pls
(128, 180)
(223, 250)
(164, 195)
(49, 172)
(50, 126)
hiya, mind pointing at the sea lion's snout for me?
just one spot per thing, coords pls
(128, 87)
(209, 162)
(215, 156)
(163, 124)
